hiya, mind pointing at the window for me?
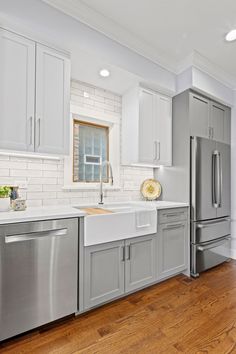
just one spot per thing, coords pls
(90, 149)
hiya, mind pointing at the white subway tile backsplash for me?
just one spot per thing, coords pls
(45, 178)
(4, 172)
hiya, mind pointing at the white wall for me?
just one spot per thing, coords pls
(233, 178)
(45, 178)
(48, 24)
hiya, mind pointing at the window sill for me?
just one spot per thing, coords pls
(90, 187)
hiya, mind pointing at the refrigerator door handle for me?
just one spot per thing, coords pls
(214, 199)
(216, 179)
(219, 181)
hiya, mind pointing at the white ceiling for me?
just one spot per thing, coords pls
(166, 31)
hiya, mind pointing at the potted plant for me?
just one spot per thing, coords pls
(5, 192)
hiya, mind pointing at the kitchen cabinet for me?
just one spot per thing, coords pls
(209, 119)
(17, 87)
(52, 98)
(34, 96)
(172, 248)
(199, 112)
(146, 128)
(227, 126)
(140, 264)
(115, 268)
(103, 272)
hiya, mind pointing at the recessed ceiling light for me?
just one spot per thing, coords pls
(231, 36)
(104, 73)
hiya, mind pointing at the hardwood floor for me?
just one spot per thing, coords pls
(180, 315)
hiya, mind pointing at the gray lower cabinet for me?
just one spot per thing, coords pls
(172, 248)
(140, 264)
(114, 268)
(104, 273)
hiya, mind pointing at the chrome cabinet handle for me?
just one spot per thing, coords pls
(174, 226)
(157, 153)
(155, 150)
(209, 132)
(123, 254)
(129, 252)
(39, 131)
(31, 130)
(35, 235)
(168, 215)
(212, 132)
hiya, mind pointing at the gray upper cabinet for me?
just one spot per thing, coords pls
(52, 101)
(140, 265)
(172, 248)
(227, 126)
(17, 87)
(199, 111)
(217, 118)
(103, 273)
(209, 119)
(146, 126)
(34, 96)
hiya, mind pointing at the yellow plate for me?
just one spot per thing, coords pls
(150, 189)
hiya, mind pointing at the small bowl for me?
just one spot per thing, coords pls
(19, 204)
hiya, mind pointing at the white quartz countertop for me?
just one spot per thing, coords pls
(164, 204)
(40, 213)
(60, 212)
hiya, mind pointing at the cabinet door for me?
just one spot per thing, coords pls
(217, 118)
(103, 273)
(17, 90)
(52, 101)
(199, 110)
(146, 126)
(227, 126)
(172, 248)
(163, 131)
(140, 264)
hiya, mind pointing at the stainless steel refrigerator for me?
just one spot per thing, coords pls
(210, 203)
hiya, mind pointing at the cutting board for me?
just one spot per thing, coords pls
(96, 211)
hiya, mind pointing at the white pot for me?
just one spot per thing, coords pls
(4, 204)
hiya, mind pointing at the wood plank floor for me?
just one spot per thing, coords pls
(180, 315)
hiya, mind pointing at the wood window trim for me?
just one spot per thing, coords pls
(86, 123)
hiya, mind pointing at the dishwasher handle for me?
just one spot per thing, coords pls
(35, 235)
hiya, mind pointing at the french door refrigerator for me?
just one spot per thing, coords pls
(210, 203)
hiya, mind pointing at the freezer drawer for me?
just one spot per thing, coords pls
(204, 231)
(38, 274)
(209, 254)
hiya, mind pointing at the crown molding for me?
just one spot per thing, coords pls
(97, 21)
(199, 61)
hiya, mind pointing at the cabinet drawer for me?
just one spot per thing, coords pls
(172, 215)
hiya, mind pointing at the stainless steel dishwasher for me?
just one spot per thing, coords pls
(38, 274)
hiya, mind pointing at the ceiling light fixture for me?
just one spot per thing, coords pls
(104, 73)
(231, 36)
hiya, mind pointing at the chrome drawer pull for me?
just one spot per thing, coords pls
(173, 214)
(174, 226)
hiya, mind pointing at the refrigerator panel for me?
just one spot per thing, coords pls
(202, 193)
(223, 208)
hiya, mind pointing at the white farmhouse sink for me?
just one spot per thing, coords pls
(124, 221)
